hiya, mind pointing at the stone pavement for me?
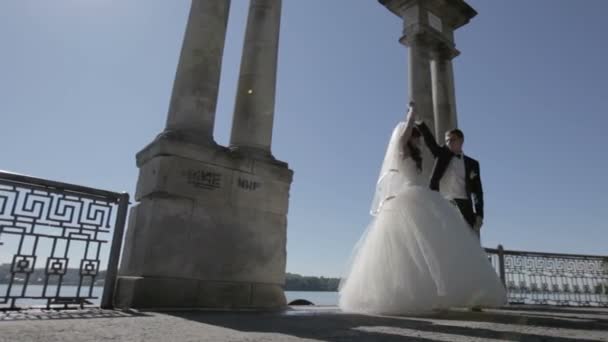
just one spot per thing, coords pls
(305, 324)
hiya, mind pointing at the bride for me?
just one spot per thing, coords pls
(418, 255)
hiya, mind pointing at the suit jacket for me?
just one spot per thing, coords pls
(443, 155)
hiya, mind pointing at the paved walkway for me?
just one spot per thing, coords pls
(305, 324)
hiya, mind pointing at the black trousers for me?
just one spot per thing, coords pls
(466, 209)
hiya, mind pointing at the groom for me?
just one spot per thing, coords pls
(455, 175)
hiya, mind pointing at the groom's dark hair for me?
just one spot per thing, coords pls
(456, 132)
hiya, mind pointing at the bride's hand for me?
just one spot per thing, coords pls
(411, 113)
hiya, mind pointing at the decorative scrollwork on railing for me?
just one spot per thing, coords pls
(54, 231)
(556, 279)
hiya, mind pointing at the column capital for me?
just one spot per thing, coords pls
(435, 46)
(443, 51)
(418, 37)
(456, 13)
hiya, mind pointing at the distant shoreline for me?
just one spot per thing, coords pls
(293, 282)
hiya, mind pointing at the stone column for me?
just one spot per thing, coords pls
(255, 98)
(452, 93)
(191, 114)
(420, 86)
(443, 98)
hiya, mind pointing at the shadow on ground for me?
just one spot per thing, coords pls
(333, 326)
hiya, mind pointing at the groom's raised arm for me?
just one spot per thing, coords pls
(429, 139)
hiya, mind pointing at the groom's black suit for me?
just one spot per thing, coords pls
(443, 156)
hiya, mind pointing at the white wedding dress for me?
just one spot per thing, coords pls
(418, 254)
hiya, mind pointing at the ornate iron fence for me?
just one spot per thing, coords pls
(553, 279)
(52, 239)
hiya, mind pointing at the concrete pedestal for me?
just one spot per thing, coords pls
(209, 230)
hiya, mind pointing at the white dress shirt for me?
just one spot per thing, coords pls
(452, 185)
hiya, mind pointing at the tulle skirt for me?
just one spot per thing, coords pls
(418, 255)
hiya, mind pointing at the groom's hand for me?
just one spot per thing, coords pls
(478, 223)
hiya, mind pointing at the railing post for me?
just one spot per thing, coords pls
(107, 300)
(501, 264)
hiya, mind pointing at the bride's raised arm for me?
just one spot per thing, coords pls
(409, 124)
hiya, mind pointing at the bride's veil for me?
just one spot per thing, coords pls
(386, 186)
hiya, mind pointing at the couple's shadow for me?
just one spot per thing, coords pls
(334, 326)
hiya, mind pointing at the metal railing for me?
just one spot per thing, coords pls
(48, 226)
(552, 279)
(53, 234)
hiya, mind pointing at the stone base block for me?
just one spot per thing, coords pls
(174, 293)
(209, 231)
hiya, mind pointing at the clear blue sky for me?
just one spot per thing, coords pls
(84, 85)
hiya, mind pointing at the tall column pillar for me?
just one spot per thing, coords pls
(420, 86)
(255, 99)
(452, 93)
(191, 114)
(443, 98)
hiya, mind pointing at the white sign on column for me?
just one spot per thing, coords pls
(435, 22)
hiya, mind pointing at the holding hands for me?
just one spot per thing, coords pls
(478, 223)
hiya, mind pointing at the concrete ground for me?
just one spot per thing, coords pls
(305, 324)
